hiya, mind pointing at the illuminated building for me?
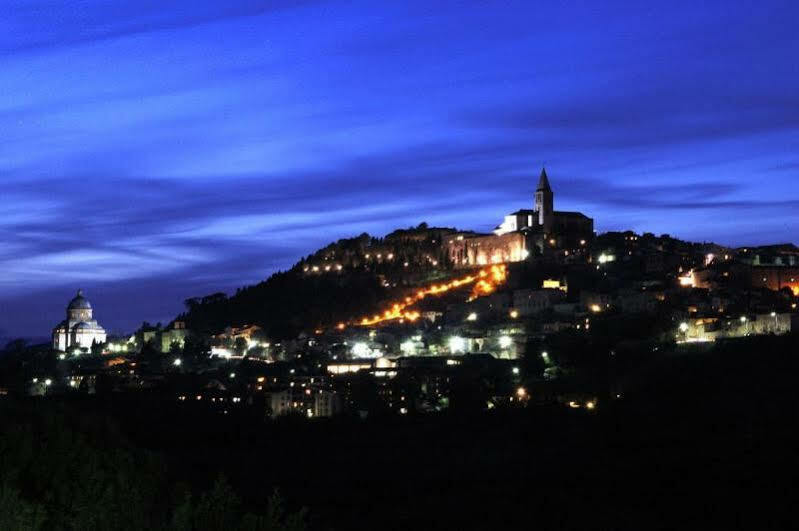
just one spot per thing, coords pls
(707, 329)
(554, 284)
(348, 367)
(247, 332)
(524, 233)
(175, 333)
(775, 277)
(79, 329)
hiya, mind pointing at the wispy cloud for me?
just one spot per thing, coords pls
(175, 148)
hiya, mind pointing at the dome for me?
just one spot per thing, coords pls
(79, 302)
(83, 326)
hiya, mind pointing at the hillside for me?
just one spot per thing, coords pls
(345, 279)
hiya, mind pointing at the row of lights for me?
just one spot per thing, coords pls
(316, 268)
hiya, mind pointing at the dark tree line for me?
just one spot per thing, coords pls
(63, 470)
(288, 302)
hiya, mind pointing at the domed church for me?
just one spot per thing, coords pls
(79, 329)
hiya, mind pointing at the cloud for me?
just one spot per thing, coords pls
(46, 24)
(167, 149)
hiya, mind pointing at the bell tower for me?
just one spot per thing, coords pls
(544, 202)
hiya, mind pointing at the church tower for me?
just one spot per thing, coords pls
(544, 203)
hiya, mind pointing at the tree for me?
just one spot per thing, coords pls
(97, 347)
(196, 348)
(16, 345)
(218, 509)
(150, 356)
(175, 349)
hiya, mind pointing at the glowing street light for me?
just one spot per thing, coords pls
(471, 317)
(177, 362)
(514, 314)
(505, 341)
(683, 327)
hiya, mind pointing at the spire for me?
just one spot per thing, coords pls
(80, 293)
(543, 181)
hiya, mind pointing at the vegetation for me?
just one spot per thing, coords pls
(65, 469)
(289, 302)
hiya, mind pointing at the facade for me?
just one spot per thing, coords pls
(308, 402)
(775, 277)
(79, 329)
(161, 338)
(706, 329)
(531, 302)
(528, 232)
(176, 333)
(487, 249)
(248, 332)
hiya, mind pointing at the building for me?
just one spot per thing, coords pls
(775, 277)
(705, 329)
(175, 333)
(530, 302)
(79, 329)
(528, 232)
(304, 401)
(247, 332)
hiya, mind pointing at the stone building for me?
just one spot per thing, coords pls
(528, 232)
(79, 329)
(175, 333)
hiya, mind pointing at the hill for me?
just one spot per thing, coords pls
(345, 279)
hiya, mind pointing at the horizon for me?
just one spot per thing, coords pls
(165, 151)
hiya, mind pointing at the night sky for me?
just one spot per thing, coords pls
(156, 150)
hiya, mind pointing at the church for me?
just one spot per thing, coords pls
(79, 329)
(527, 233)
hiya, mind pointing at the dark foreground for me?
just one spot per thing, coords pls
(698, 440)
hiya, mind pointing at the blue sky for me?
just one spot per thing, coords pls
(156, 150)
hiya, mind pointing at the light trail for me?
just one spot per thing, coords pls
(485, 282)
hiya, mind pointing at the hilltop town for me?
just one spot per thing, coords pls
(391, 325)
